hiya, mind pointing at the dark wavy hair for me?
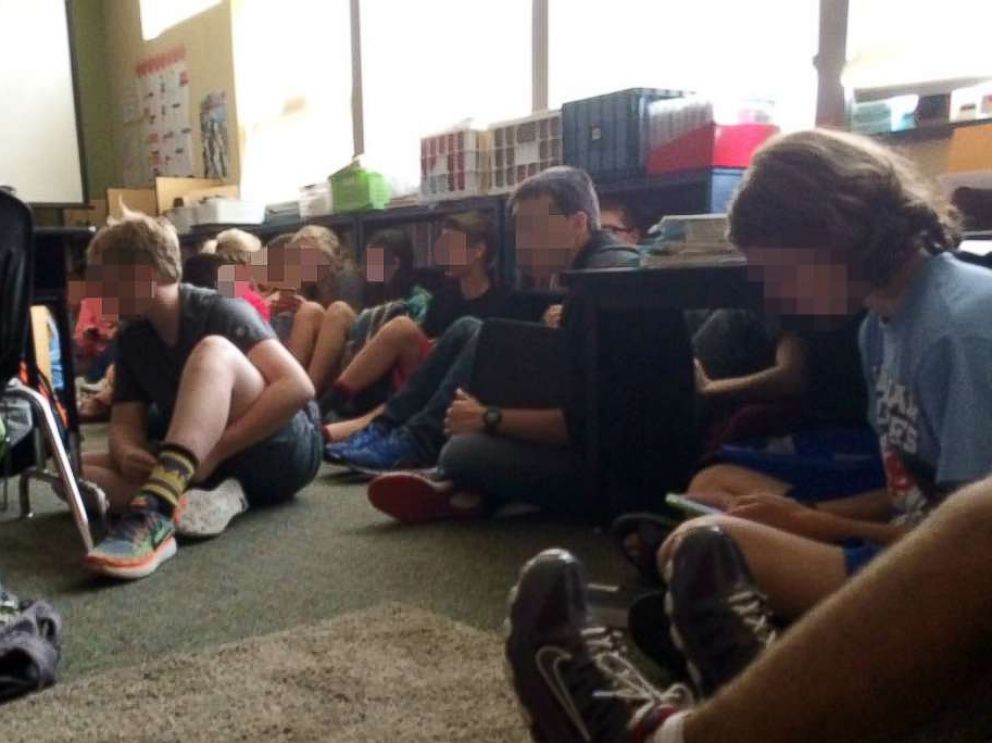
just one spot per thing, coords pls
(844, 194)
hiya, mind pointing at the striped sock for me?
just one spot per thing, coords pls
(167, 482)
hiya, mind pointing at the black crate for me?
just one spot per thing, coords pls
(608, 135)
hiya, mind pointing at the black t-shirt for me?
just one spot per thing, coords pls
(836, 392)
(148, 370)
(449, 305)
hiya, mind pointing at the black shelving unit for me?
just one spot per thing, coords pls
(690, 192)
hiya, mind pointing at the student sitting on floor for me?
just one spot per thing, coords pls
(834, 221)
(238, 407)
(466, 250)
(505, 454)
(306, 274)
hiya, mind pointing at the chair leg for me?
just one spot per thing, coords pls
(48, 426)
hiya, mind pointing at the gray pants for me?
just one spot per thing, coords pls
(511, 470)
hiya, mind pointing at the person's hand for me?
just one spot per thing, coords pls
(285, 302)
(552, 316)
(136, 463)
(464, 415)
(774, 510)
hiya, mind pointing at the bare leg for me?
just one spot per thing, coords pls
(303, 337)
(100, 469)
(732, 481)
(796, 573)
(892, 649)
(343, 429)
(398, 342)
(218, 385)
(325, 361)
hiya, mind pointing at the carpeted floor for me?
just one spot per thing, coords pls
(325, 554)
(358, 678)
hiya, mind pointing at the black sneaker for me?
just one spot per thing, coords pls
(571, 677)
(718, 617)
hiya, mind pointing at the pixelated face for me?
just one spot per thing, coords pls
(290, 267)
(546, 239)
(127, 291)
(380, 265)
(805, 281)
(453, 253)
(232, 280)
(612, 221)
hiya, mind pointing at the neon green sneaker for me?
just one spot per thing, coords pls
(140, 541)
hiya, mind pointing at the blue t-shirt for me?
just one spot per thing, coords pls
(929, 373)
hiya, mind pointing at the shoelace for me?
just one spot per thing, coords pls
(752, 608)
(629, 686)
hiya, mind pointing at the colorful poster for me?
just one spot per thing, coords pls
(214, 136)
(168, 135)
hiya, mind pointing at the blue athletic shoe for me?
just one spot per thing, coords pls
(337, 453)
(396, 451)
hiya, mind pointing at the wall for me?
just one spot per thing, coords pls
(209, 60)
(86, 18)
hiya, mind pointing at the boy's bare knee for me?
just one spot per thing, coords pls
(400, 327)
(212, 347)
(709, 480)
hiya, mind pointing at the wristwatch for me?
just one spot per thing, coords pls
(491, 419)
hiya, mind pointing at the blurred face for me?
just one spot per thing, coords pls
(612, 221)
(453, 253)
(289, 268)
(127, 292)
(805, 281)
(234, 278)
(380, 265)
(546, 239)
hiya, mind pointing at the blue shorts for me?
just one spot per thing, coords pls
(858, 553)
(817, 465)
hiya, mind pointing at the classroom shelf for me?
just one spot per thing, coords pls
(929, 131)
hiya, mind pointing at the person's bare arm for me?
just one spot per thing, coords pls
(541, 426)
(544, 426)
(875, 505)
(786, 378)
(128, 429)
(287, 390)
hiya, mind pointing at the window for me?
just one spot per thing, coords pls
(160, 15)
(293, 81)
(723, 48)
(900, 45)
(429, 64)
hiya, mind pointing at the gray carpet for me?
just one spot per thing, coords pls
(361, 677)
(325, 554)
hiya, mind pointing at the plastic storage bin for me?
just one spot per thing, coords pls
(315, 200)
(219, 210)
(455, 164)
(608, 135)
(523, 147)
(354, 189)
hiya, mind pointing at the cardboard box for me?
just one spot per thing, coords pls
(136, 199)
(971, 149)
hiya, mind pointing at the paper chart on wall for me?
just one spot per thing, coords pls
(168, 135)
(214, 135)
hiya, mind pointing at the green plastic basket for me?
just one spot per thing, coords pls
(355, 189)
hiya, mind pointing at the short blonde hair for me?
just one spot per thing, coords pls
(137, 239)
(237, 246)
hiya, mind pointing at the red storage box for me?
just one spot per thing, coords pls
(710, 146)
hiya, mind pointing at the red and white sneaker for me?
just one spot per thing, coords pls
(420, 497)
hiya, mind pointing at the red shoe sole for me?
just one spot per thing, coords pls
(413, 499)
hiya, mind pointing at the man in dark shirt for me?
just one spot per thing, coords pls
(503, 452)
(235, 401)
